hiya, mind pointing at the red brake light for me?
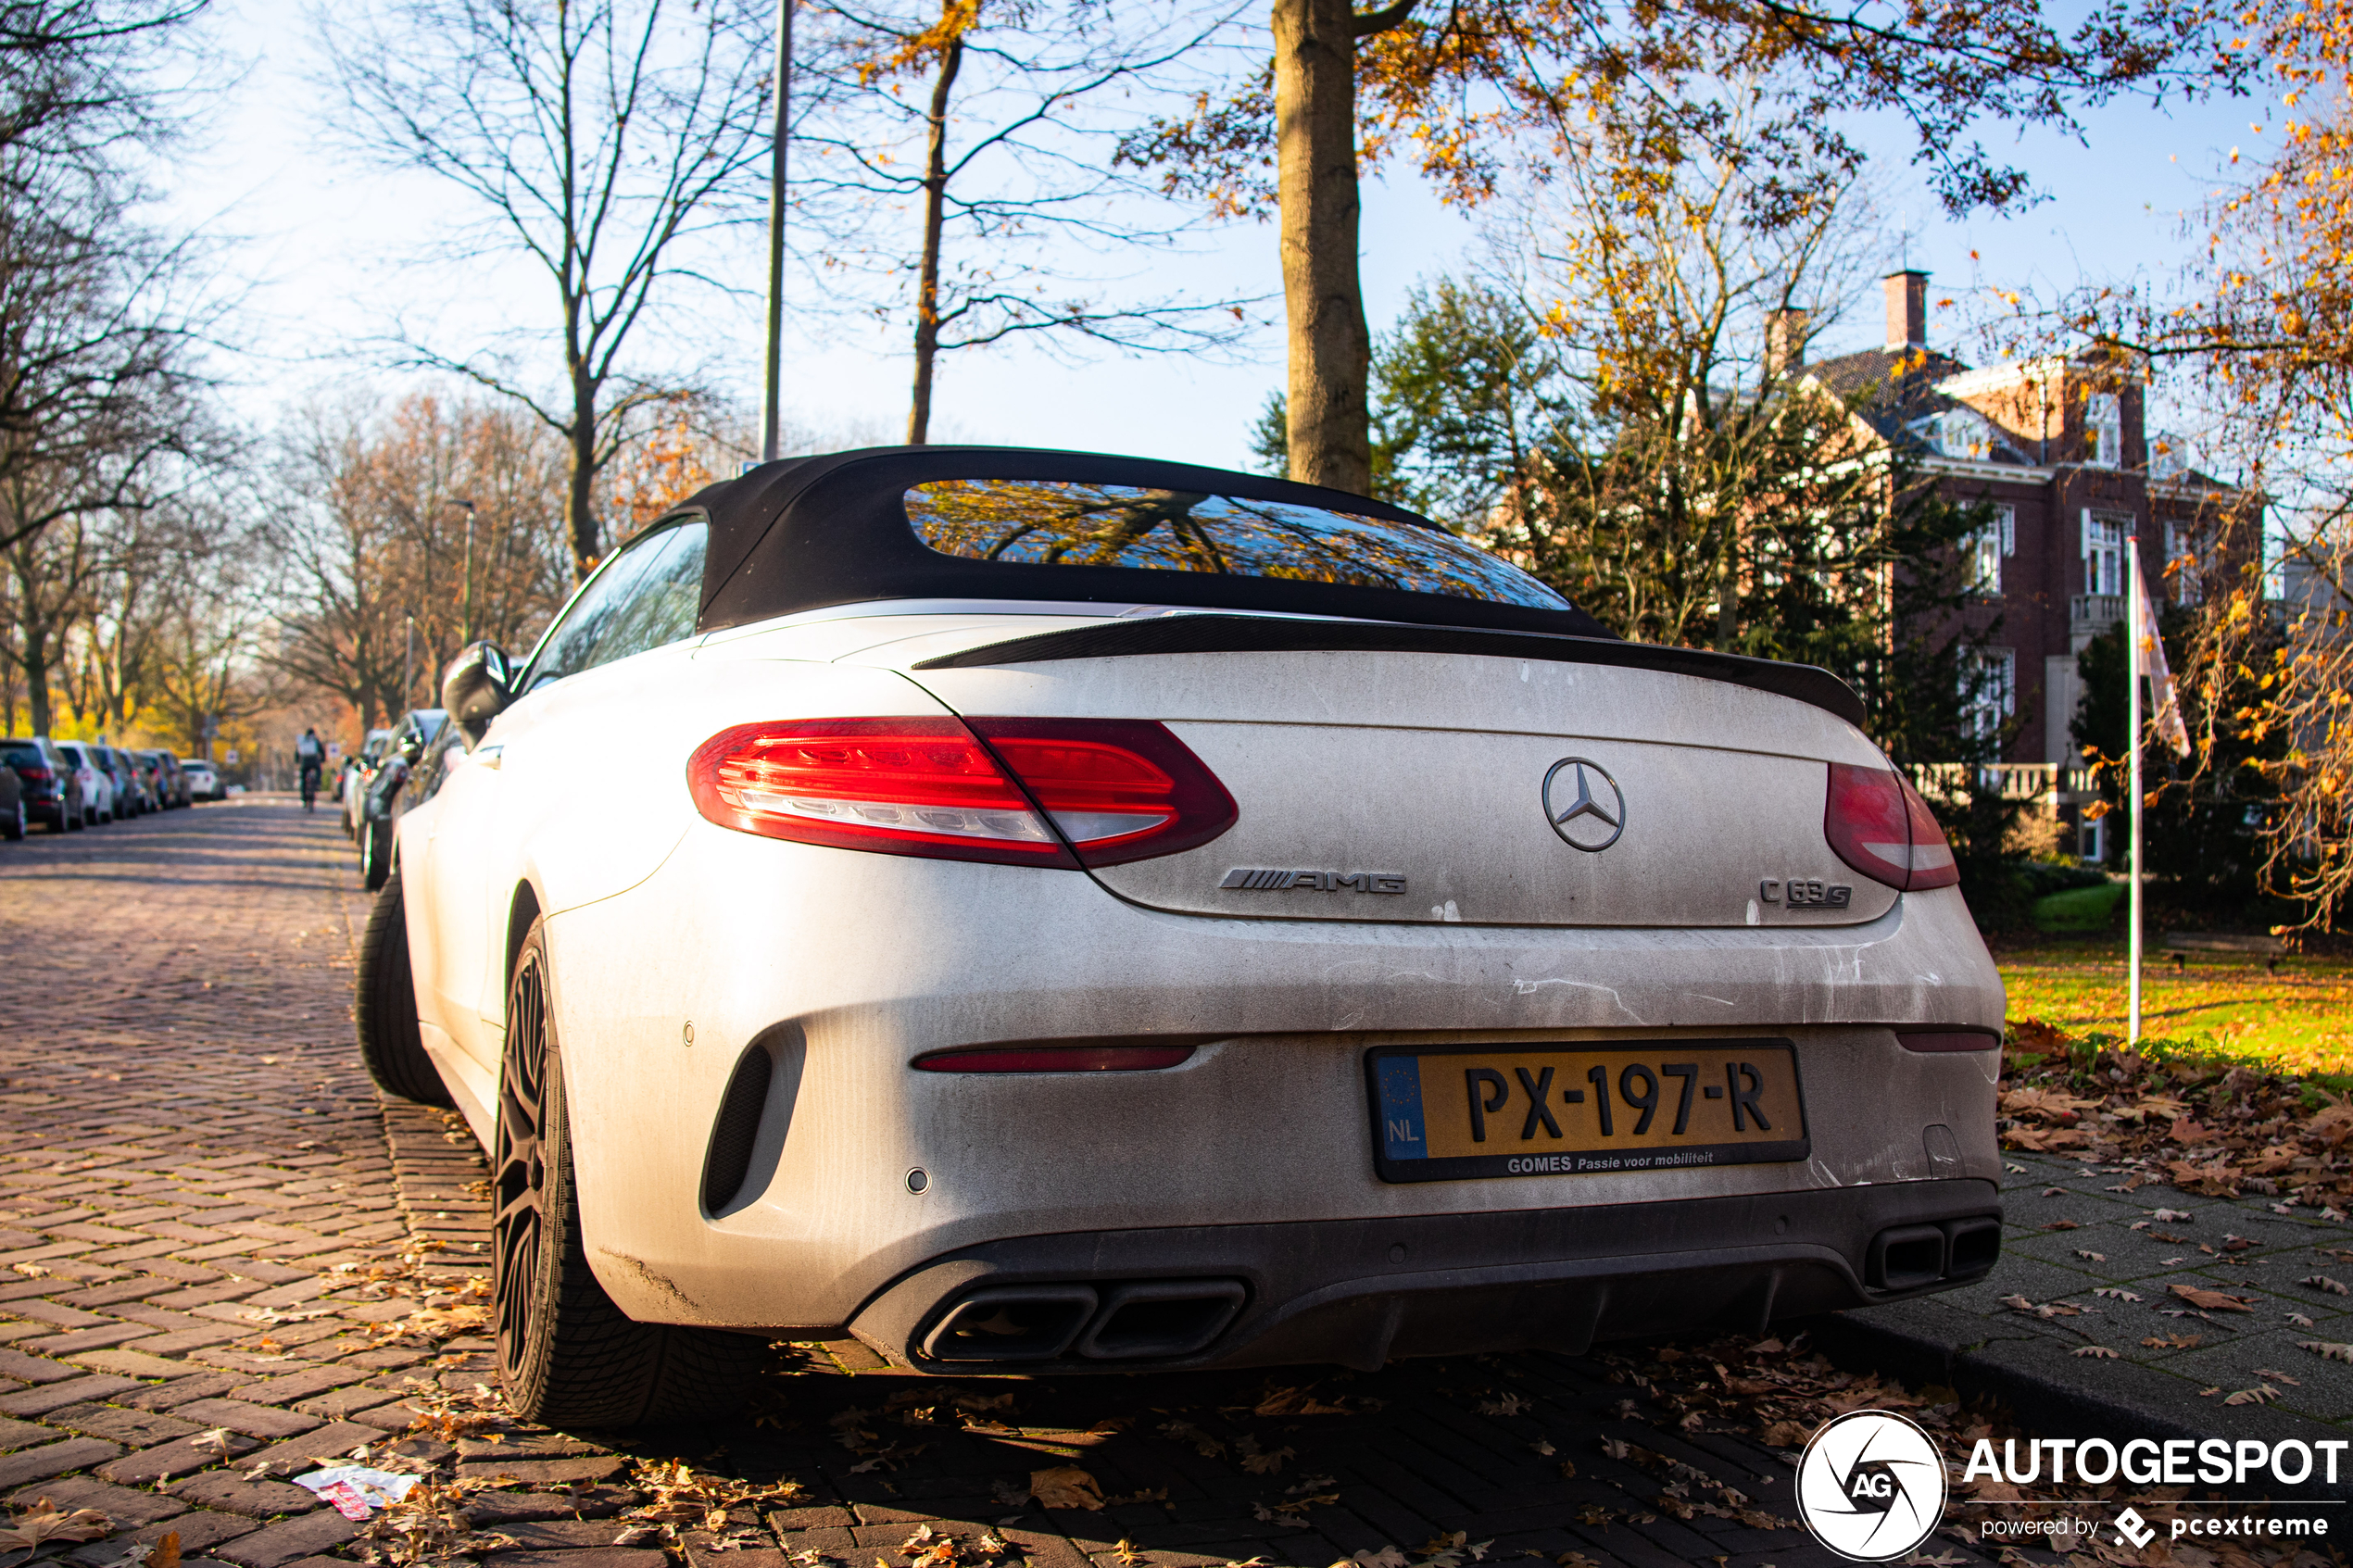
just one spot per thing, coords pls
(1877, 825)
(1055, 1059)
(901, 787)
(1019, 792)
(1932, 862)
(1118, 789)
(1955, 1038)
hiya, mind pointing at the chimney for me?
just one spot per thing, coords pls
(1906, 310)
(1784, 341)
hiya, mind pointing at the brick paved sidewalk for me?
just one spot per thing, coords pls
(224, 1262)
(2085, 1249)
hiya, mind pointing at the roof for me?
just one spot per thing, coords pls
(1904, 378)
(811, 533)
(1893, 389)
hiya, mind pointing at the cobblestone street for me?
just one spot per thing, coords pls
(224, 1262)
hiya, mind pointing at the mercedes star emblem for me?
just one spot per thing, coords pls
(1584, 804)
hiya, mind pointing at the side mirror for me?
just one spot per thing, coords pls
(474, 689)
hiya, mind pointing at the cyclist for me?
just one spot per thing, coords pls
(313, 756)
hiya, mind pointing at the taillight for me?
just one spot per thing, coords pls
(1055, 1059)
(1113, 790)
(1932, 862)
(1118, 789)
(1878, 824)
(35, 776)
(902, 786)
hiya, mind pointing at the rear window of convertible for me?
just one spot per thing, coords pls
(1061, 523)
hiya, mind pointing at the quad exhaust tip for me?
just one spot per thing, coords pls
(1130, 1320)
(1909, 1256)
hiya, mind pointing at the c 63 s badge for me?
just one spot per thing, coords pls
(1806, 893)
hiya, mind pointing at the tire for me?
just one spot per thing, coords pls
(567, 1357)
(385, 1007)
(15, 830)
(62, 823)
(375, 855)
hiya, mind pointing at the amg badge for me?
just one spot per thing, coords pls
(1322, 881)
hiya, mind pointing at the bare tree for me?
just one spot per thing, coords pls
(1002, 162)
(600, 139)
(444, 518)
(203, 669)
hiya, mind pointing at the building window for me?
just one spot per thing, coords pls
(2103, 430)
(2103, 552)
(2182, 564)
(1989, 691)
(1958, 433)
(1987, 546)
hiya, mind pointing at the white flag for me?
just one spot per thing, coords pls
(2167, 716)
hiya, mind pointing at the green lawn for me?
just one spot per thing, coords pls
(2298, 1018)
(2079, 909)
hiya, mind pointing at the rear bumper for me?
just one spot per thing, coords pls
(1363, 1292)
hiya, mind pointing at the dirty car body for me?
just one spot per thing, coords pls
(1077, 913)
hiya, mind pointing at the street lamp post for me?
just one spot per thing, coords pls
(466, 621)
(771, 409)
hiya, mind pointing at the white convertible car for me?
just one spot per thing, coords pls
(1047, 912)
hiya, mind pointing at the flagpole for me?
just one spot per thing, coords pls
(2133, 730)
(772, 357)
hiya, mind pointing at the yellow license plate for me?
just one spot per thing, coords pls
(1443, 1114)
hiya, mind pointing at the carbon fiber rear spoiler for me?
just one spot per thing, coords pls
(1259, 633)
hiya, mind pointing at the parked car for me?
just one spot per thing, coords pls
(358, 772)
(97, 782)
(172, 785)
(51, 787)
(204, 782)
(355, 761)
(134, 776)
(1080, 914)
(12, 813)
(131, 799)
(382, 802)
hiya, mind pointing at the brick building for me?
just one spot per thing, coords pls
(2061, 448)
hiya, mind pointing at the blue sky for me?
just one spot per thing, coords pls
(320, 246)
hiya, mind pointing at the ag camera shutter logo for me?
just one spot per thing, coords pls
(1871, 1486)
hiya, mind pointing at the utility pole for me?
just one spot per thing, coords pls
(466, 622)
(771, 403)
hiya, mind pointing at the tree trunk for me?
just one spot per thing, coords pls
(1330, 350)
(580, 508)
(935, 217)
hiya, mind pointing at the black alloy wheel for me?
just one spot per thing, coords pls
(567, 1356)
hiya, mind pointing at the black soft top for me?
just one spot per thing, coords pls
(810, 533)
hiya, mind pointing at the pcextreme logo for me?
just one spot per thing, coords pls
(1871, 1486)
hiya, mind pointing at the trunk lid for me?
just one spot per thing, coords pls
(1410, 783)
